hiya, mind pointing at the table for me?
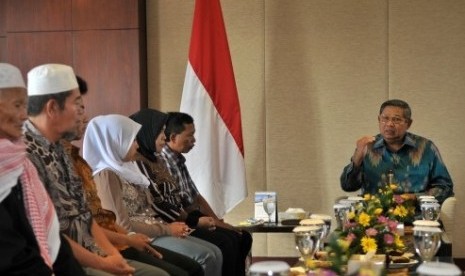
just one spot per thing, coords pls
(269, 228)
(408, 271)
(444, 254)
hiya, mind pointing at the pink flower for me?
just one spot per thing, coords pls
(371, 232)
(350, 237)
(392, 224)
(398, 199)
(350, 224)
(382, 219)
(388, 239)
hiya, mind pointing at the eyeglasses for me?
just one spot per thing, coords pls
(394, 120)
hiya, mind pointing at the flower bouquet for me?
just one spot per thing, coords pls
(372, 226)
(399, 207)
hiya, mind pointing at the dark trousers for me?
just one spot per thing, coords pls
(66, 264)
(172, 262)
(233, 245)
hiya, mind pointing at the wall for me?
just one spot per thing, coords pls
(311, 75)
(103, 40)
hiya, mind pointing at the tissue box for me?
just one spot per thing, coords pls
(376, 264)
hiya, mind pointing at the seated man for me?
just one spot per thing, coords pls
(180, 139)
(54, 112)
(29, 231)
(415, 161)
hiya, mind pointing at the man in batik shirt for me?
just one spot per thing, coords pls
(54, 111)
(414, 160)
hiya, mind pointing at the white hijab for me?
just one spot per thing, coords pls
(107, 141)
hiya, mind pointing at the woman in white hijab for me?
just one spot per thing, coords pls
(30, 241)
(110, 149)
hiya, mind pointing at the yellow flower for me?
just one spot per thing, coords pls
(351, 215)
(378, 211)
(400, 211)
(367, 197)
(368, 244)
(344, 244)
(393, 186)
(364, 219)
(310, 263)
(405, 196)
(398, 241)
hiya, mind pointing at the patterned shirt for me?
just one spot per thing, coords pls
(63, 186)
(130, 203)
(103, 217)
(417, 166)
(164, 189)
(176, 164)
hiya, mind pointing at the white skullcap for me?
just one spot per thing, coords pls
(10, 76)
(50, 79)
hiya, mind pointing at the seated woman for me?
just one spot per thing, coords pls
(167, 195)
(109, 146)
(30, 241)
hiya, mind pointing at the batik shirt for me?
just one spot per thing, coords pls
(176, 164)
(63, 185)
(164, 189)
(417, 166)
(103, 217)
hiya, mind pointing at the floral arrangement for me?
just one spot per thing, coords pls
(371, 229)
(372, 226)
(399, 207)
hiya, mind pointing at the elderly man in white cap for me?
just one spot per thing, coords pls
(54, 111)
(29, 231)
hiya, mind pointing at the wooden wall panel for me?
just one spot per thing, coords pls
(2, 18)
(109, 62)
(33, 15)
(27, 50)
(106, 45)
(2, 30)
(105, 14)
(2, 49)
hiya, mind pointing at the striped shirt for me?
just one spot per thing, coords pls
(176, 164)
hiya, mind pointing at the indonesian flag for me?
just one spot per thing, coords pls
(216, 163)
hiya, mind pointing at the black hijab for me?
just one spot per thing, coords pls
(152, 122)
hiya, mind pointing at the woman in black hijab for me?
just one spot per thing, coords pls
(168, 197)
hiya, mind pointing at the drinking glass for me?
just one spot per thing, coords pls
(269, 205)
(430, 211)
(326, 227)
(318, 223)
(427, 241)
(358, 202)
(307, 240)
(427, 198)
(340, 212)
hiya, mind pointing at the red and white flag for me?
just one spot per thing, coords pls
(216, 163)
